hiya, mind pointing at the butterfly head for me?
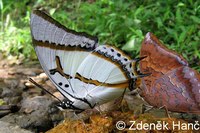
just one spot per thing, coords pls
(135, 82)
(138, 72)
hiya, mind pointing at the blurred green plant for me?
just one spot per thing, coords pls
(15, 33)
(120, 23)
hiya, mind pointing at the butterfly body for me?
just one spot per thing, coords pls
(172, 82)
(85, 73)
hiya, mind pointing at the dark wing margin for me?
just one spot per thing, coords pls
(46, 29)
(50, 40)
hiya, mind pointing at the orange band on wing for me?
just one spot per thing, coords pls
(97, 83)
(59, 69)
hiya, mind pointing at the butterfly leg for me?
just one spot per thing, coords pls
(148, 107)
(98, 108)
(166, 111)
(162, 107)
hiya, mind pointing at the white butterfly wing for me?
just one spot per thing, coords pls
(78, 68)
(59, 48)
(107, 64)
(106, 73)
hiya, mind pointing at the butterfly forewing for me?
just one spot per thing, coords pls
(82, 72)
(59, 50)
(46, 29)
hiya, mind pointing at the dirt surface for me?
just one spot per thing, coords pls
(28, 107)
(22, 103)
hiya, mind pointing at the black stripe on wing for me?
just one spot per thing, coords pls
(53, 21)
(38, 17)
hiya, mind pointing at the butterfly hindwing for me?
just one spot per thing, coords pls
(105, 74)
(85, 73)
(107, 65)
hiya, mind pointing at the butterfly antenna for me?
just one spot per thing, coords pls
(140, 58)
(141, 75)
(39, 86)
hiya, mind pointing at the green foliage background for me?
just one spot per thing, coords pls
(115, 22)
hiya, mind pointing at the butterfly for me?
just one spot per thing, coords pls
(172, 82)
(85, 73)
